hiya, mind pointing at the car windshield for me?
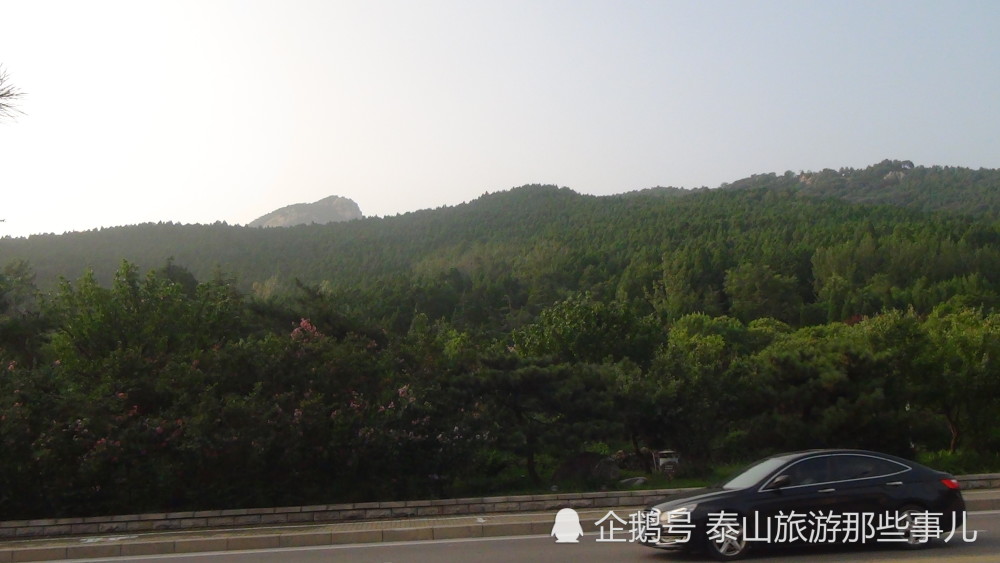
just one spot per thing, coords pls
(753, 474)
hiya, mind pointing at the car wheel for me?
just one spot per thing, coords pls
(905, 525)
(728, 548)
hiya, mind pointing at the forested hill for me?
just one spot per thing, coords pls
(895, 182)
(770, 245)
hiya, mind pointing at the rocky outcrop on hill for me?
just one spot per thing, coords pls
(328, 210)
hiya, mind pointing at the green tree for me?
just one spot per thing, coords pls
(694, 376)
(756, 291)
(21, 324)
(962, 377)
(582, 329)
(115, 339)
(825, 387)
(537, 406)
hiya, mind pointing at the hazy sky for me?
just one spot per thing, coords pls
(211, 110)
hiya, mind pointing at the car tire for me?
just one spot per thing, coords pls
(728, 549)
(912, 541)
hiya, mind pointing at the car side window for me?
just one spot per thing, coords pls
(809, 472)
(848, 467)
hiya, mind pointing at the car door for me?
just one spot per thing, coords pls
(789, 500)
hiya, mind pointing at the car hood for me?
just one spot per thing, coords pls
(695, 495)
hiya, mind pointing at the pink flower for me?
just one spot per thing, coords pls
(306, 331)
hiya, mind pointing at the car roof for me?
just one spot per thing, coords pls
(789, 456)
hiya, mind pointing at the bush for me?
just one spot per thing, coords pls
(961, 462)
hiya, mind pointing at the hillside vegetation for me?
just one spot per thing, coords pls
(529, 246)
(471, 348)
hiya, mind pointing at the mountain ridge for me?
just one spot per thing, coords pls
(557, 239)
(331, 209)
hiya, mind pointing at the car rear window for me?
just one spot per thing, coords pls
(848, 467)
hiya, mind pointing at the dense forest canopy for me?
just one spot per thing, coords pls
(490, 340)
(551, 241)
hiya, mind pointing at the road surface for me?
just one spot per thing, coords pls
(985, 549)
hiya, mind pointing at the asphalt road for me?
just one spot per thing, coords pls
(985, 549)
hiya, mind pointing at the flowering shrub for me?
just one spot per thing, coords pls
(306, 332)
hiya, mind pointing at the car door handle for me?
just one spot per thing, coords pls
(894, 484)
(826, 490)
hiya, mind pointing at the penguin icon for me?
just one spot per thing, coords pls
(567, 527)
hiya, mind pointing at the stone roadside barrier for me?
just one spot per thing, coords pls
(244, 529)
(335, 513)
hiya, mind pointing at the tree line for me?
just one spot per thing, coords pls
(471, 349)
(160, 392)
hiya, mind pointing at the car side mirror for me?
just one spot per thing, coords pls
(779, 482)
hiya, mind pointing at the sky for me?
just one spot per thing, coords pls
(211, 110)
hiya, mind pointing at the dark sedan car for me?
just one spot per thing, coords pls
(818, 496)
